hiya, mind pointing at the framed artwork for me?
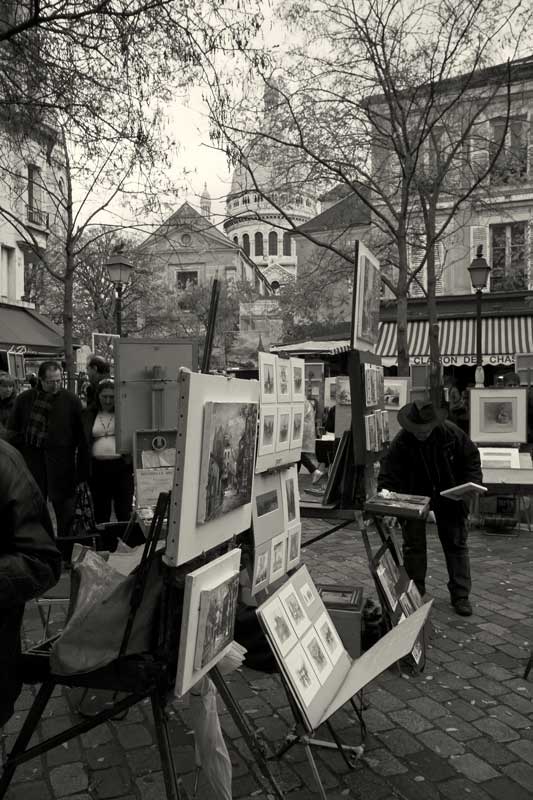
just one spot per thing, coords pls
(297, 426)
(284, 380)
(283, 428)
(268, 512)
(308, 593)
(329, 637)
(291, 495)
(317, 655)
(295, 610)
(385, 425)
(330, 392)
(294, 542)
(268, 425)
(370, 432)
(268, 378)
(209, 607)
(302, 675)
(343, 393)
(298, 380)
(498, 415)
(499, 457)
(261, 571)
(278, 557)
(366, 297)
(227, 458)
(276, 619)
(222, 505)
(395, 392)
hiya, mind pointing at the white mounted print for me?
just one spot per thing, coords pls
(297, 426)
(268, 425)
(283, 439)
(284, 380)
(298, 380)
(268, 378)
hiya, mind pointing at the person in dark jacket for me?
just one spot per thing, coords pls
(111, 474)
(46, 427)
(8, 394)
(29, 563)
(429, 455)
(98, 369)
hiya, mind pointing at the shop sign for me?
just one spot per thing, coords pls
(468, 360)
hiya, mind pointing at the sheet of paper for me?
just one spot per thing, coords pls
(396, 644)
(149, 483)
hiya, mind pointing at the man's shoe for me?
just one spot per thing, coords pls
(317, 474)
(463, 607)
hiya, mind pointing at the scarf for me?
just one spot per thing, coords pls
(37, 428)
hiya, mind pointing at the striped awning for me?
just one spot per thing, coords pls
(501, 337)
(318, 348)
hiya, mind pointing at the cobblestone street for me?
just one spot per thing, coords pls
(463, 728)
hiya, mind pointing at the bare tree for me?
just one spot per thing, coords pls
(389, 98)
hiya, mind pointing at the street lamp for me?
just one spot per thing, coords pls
(119, 271)
(479, 273)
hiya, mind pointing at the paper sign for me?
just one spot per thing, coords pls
(150, 483)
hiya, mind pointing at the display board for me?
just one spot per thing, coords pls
(215, 453)
(281, 418)
(208, 620)
(146, 373)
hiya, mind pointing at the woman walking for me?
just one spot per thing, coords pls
(8, 394)
(111, 475)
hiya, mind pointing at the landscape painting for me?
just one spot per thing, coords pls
(216, 620)
(227, 459)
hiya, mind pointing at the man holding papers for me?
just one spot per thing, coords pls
(431, 454)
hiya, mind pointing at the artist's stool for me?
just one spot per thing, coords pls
(140, 677)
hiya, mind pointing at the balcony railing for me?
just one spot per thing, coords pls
(37, 217)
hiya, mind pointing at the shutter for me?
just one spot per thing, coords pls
(479, 234)
(416, 254)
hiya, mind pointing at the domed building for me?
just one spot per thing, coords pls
(253, 222)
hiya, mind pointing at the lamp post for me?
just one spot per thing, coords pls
(119, 273)
(479, 272)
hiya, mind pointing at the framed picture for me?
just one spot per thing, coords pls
(227, 458)
(366, 297)
(209, 607)
(279, 627)
(298, 380)
(294, 609)
(294, 542)
(278, 557)
(284, 380)
(498, 415)
(343, 393)
(268, 378)
(268, 425)
(297, 426)
(261, 571)
(302, 675)
(370, 432)
(329, 637)
(499, 457)
(268, 512)
(291, 495)
(283, 428)
(316, 652)
(395, 392)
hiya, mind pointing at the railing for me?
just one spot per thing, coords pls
(37, 217)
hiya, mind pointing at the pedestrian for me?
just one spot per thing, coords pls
(8, 393)
(29, 564)
(428, 455)
(46, 427)
(97, 370)
(110, 473)
(454, 399)
(308, 457)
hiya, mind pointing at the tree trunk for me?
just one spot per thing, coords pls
(434, 349)
(68, 288)
(401, 311)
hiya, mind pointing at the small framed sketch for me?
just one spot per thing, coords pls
(279, 627)
(370, 432)
(294, 608)
(297, 426)
(268, 377)
(261, 572)
(317, 655)
(284, 380)
(283, 438)
(302, 675)
(268, 425)
(395, 392)
(498, 415)
(278, 557)
(294, 541)
(298, 384)
(268, 511)
(329, 637)
(366, 296)
(291, 495)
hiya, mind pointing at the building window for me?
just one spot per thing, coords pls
(511, 163)
(186, 239)
(35, 193)
(185, 279)
(258, 245)
(275, 286)
(509, 257)
(246, 243)
(8, 275)
(236, 240)
(272, 243)
(286, 244)
(245, 200)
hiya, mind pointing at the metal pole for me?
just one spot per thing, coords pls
(118, 309)
(480, 373)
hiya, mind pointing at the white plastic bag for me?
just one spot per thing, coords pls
(211, 751)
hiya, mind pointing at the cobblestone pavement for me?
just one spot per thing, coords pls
(461, 729)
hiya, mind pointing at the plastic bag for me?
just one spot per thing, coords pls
(98, 614)
(84, 521)
(211, 751)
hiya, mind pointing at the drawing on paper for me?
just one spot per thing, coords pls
(216, 620)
